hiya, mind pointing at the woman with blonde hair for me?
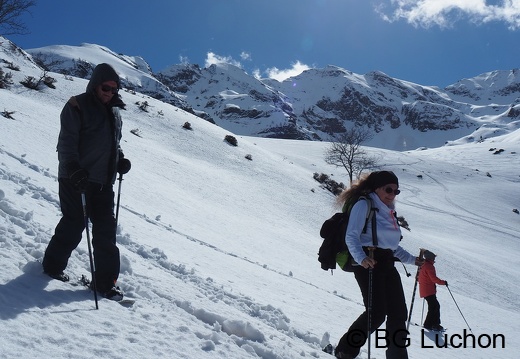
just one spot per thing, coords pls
(378, 279)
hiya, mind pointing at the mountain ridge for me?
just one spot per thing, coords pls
(318, 104)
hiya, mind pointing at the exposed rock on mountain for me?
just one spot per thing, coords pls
(315, 105)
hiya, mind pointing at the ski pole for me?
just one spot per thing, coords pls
(120, 179)
(369, 306)
(92, 267)
(414, 291)
(459, 309)
(422, 314)
(413, 298)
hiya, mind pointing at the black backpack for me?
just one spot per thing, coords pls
(334, 250)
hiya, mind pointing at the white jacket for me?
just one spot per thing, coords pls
(388, 231)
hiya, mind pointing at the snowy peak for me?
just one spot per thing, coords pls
(500, 87)
(318, 104)
(79, 61)
(15, 56)
(230, 97)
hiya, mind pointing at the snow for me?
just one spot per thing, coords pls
(220, 252)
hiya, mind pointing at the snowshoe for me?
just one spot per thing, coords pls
(59, 276)
(114, 293)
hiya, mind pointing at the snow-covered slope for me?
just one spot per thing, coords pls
(220, 251)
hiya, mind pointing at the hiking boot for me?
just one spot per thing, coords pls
(438, 328)
(328, 349)
(342, 355)
(59, 276)
(114, 293)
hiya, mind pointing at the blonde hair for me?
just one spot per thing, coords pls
(358, 188)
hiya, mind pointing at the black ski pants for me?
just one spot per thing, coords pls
(388, 302)
(67, 235)
(433, 318)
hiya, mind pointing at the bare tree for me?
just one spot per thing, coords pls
(46, 62)
(34, 84)
(345, 151)
(10, 16)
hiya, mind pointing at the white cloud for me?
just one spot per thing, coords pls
(184, 59)
(257, 74)
(272, 72)
(245, 56)
(280, 75)
(212, 58)
(444, 13)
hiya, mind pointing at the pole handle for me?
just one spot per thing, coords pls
(120, 179)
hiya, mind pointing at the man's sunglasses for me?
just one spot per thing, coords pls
(390, 190)
(106, 88)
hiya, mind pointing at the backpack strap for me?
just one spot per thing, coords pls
(374, 228)
(371, 217)
(74, 103)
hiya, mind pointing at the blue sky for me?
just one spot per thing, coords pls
(429, 42)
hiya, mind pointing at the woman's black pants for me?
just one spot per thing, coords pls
(433, 318)
(388, 302)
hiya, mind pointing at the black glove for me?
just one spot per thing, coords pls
(123, 166)
(446, 283)
(79, 179)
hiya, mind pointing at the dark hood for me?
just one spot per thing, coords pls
(102, 73)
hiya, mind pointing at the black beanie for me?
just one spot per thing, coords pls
(429, 255)
(381, 178)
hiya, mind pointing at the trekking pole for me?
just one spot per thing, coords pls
(422, 314)
(459, 309)
(414, 291)
(92, 268)
(120, 179)
(413, 298)
(369, 306)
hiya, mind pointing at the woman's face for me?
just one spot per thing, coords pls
(387, 193)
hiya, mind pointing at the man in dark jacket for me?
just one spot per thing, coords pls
(428, 290)
(89, 158)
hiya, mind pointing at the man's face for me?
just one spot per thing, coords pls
(106, 91)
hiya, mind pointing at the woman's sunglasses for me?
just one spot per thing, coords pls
(106, 88)
(391, 190)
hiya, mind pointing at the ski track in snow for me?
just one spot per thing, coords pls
(462, 213)
(213, 247)
(239, 331)
(477, 219)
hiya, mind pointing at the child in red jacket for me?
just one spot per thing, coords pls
(428, 290)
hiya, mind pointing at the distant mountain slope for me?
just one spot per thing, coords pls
(315, 105)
